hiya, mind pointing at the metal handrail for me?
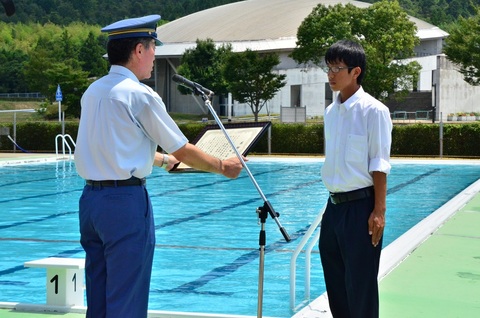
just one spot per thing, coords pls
(65, 139)
(315, 224)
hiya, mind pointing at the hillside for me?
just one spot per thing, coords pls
(103, 12)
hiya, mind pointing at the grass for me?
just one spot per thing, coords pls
(8, 117)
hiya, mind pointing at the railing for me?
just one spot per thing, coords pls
(65, 139)
(416, 115)
(308, 252)
(22, 95)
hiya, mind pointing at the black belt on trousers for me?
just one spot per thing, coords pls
(133, 181)
(342, 197)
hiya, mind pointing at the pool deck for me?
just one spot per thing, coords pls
(433, 270)
(16, 158)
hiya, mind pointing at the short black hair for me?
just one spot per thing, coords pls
(349, 52)
(119, 50)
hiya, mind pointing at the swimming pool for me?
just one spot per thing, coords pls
(206, 259)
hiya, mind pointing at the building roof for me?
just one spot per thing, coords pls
(261, 25)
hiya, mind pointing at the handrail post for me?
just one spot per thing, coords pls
(65, 139)
(297, 251)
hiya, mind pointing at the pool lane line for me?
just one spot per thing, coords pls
(39, 196)
(36, 220)
(67, 253)
(227, 269)
(400, 186)
(244, 259)
(231, 206)
(241, 260)
(204, 214)
(203, 185)
(24, 171)
(36, 240)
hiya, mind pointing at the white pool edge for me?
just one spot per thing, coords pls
(38, 308)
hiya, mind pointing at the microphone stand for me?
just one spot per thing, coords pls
(262, 211)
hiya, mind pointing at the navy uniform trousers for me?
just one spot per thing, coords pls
(118, 236)
(350, 262)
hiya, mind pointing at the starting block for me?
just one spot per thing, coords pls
(64, 282)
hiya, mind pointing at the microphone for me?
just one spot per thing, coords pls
(192, 85)
(8, 6)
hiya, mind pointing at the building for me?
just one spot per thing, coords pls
(271, 26)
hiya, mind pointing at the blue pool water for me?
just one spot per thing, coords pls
(206, 259)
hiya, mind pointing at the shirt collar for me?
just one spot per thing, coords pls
(122, 70)
(352, 100)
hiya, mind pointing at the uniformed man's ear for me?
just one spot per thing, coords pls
(139, 48)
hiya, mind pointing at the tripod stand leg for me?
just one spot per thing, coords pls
(262, 240)
(260, 281)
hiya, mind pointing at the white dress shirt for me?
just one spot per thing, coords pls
(122, 122)
(357, 142)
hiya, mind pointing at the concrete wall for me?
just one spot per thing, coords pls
(453, 93)
(311, 80)
(168, 90)
(429, 47)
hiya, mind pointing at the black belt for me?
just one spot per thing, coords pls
(133, 181)
(342, 197)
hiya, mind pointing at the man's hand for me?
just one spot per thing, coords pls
(376, 225)
(159, 160)
(232, 167)
(172, 161)
(376, 221)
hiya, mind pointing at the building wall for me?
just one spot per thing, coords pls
(311, 80)
(428, 64)
(454, 94)
(429, 47)
(168, 90)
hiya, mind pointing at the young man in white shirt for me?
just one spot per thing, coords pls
(358, 139)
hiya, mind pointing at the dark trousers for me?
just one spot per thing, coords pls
(350, 261)
(118, 236)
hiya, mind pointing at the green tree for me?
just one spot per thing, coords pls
(202, 64)
(463, 47)
(11, 61)
(91, 56)
(49, 67)
(40, 60)
(383, 29)
(323, 27)
(250, 78)
(389, 37)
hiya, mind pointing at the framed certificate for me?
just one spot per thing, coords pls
(213, 141)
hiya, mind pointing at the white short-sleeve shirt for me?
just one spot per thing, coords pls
(122, 122)
(358, 137)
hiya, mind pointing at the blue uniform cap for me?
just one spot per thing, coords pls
(134, 28)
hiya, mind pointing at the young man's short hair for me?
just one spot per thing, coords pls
(349, 52)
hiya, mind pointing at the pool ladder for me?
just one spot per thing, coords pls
(308, 252)
(65, 143)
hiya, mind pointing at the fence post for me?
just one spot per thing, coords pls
(441, 135)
